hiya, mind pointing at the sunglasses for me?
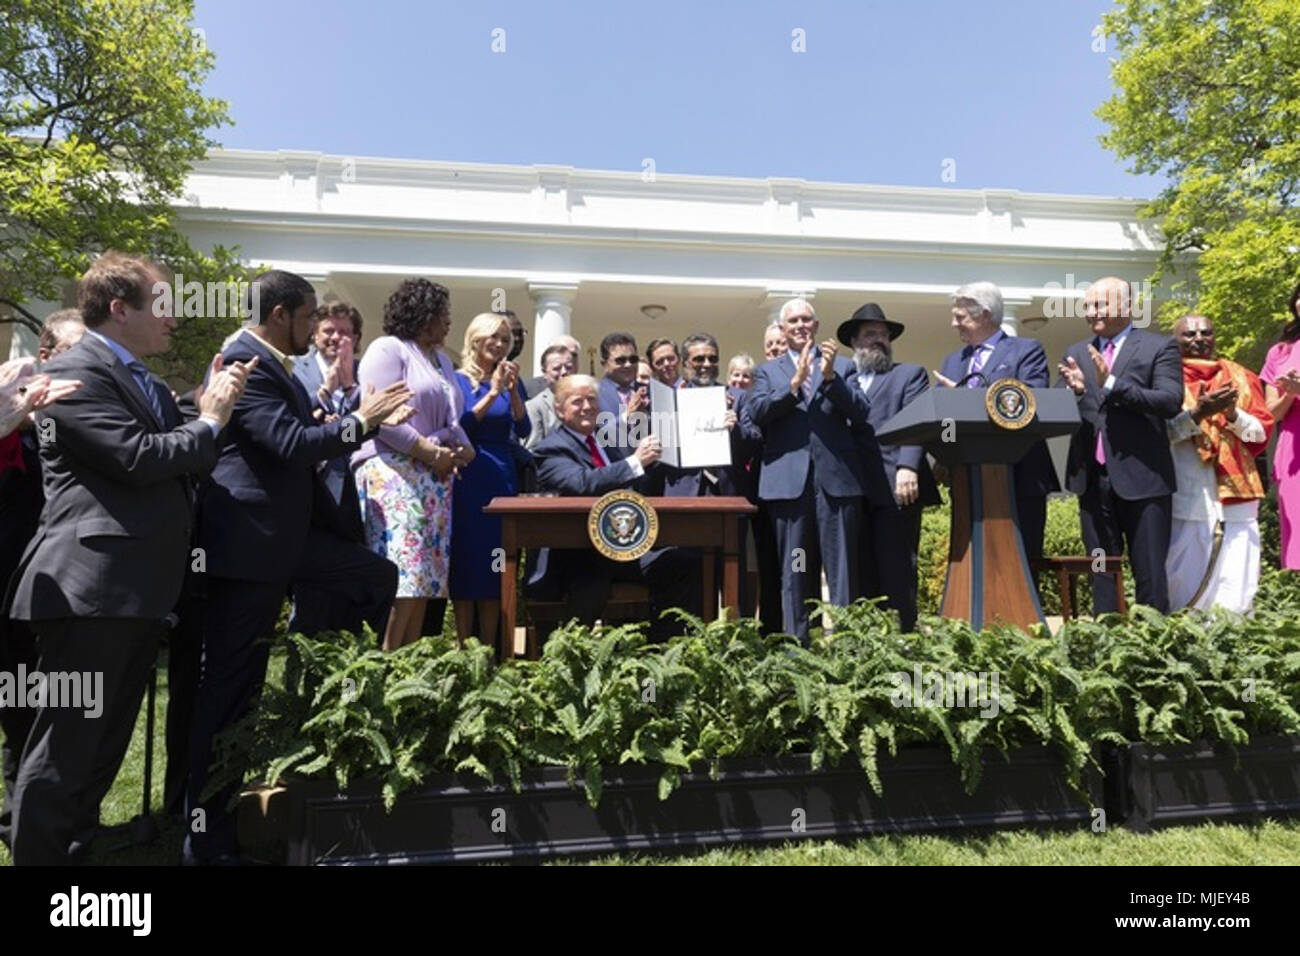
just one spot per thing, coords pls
(704, 360)
(624, 360)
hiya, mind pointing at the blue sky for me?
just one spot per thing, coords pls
(884, 92)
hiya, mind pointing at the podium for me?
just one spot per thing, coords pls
(965, 429)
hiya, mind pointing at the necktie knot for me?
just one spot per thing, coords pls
(144, 378)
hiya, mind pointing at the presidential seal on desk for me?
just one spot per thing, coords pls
(623, 525)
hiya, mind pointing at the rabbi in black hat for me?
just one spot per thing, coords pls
(899, 482)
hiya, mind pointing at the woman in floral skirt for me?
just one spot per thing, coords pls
(404, 474)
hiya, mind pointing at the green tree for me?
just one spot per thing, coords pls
(1208, 95)
(101, 117)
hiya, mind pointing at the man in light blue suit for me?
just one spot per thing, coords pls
(812, 478)
(988, 354)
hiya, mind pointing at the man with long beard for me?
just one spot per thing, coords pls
(899, 482)
(1225, 422)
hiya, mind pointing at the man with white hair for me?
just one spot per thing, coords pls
(813, 479)
(774, 341)
(987, 354)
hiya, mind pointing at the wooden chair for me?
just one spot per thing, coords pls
(628, 602)
(1068, 570)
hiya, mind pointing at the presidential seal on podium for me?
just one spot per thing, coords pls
(1010, 403)
(623, 525)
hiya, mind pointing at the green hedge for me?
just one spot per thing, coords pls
(603, 698)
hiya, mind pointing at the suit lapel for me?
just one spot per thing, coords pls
(999, 352)
(135, 398)
(1131, 342)
(299, 399)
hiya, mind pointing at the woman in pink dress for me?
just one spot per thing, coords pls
(1281, 378)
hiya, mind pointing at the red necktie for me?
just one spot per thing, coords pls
(596, 460)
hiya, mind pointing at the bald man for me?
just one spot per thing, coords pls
(1128, 383)
(1225, 422)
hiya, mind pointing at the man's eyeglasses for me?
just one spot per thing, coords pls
(623, 360)
(1199, 333)
(704, 360)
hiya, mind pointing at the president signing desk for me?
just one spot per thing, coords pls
(710, 524)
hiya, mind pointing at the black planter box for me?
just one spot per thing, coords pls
(1202, 781)
(459, 819)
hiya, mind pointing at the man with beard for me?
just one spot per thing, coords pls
(899, 482)
(1214, 541)
(812, 478)
(988, 354)
(260, 531)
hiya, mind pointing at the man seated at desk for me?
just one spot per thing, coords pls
(571, 462)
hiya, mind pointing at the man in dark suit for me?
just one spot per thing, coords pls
(701, 367)
(106, 564)
(328, 373)
(988, 354)
(898, 479)
(621, 400)
(813, 478)
(571, 461)
(259, 527)
(1128, 382)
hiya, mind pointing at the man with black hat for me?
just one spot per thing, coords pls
(988, 354)
(898, 479)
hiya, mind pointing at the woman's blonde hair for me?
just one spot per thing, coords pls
(482, 326)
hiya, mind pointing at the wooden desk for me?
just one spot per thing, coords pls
(711, 524)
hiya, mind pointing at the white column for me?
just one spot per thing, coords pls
(553, 313)
(1010, 315)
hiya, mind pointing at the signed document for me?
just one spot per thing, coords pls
(691, 425)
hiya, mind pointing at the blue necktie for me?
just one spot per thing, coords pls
(145, 380)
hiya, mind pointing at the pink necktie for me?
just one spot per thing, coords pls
(1108, 353)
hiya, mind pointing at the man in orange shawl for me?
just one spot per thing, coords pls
(1214, 547)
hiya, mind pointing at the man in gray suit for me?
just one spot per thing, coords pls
(106, 565)
(812, 478)
(557, 362)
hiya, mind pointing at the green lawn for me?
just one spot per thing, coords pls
(1264, 843)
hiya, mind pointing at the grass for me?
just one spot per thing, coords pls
(1268, 843)
(1264, 843)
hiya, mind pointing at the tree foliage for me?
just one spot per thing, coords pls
(1208, 95)
(101, 118)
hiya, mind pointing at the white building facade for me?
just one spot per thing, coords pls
(583, 251)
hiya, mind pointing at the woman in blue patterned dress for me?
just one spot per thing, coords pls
(494, 418)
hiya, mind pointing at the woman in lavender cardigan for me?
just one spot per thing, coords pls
(404, 475)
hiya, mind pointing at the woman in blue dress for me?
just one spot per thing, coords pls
(494, 417)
